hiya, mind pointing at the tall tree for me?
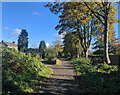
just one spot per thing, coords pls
(104, 12)
(72, 47)
(84, 25)
(42, 48)
(42, 45)
(23, 41)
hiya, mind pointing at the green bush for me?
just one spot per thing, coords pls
(98, 78)
(58, 62)
(45, 59)
(21, 70)
(50, 52)
(52, 60)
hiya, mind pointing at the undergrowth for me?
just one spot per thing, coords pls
(100, 79)
(21, 72)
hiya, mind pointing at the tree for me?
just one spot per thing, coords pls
(23, 41)
(50, 52)
(112, 42)
(42, 48)
(57, 45)
(72, 46)
(42, 45)
(68, 22)
(104, 12)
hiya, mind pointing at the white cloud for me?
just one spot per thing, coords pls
(6, 28)
(47, 44)
(16, 32)
(35, 13)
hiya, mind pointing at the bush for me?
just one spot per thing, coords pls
(58, 62)
(98, 78)
(21, 71)
(50, 52)
(52, 60)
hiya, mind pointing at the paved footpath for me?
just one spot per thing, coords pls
(62, 81)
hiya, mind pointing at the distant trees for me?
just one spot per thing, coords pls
(42, 48)
(50, 52)
(72, 46)
(57, 45)
(54, 50)
(42, 45)
(23, 41)
(33, 51)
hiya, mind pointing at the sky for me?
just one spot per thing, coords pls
(35, 18)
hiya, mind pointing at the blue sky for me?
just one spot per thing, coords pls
(34, 17)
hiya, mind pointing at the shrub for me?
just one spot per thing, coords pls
(58, 62)
(20, 69)
(52, 60)
(98, 78)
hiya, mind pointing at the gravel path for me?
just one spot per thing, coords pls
(62, 81)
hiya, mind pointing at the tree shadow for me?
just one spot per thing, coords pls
(59, 86)
(97, 83)
(61, 68)
(46, 63)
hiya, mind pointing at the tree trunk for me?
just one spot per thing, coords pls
(106, 55)
(86, 53)
(78, 56)
(57, 54)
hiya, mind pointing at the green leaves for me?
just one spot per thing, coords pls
(72, 47)
(20, 68)
(23, 41)
(97, 78)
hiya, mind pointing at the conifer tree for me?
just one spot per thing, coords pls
(23, 41)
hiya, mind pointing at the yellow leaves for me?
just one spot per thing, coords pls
(57, 45)
(99, 38)
(84, 21)
(70, 11)
(113, 7)
(115, 13)
(88, 18)
(117, 21)
(89, 12)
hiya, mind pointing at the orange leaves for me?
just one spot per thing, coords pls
(115, 13)
(57, 45)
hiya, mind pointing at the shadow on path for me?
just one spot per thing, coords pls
(62, 81)
(59, 86)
